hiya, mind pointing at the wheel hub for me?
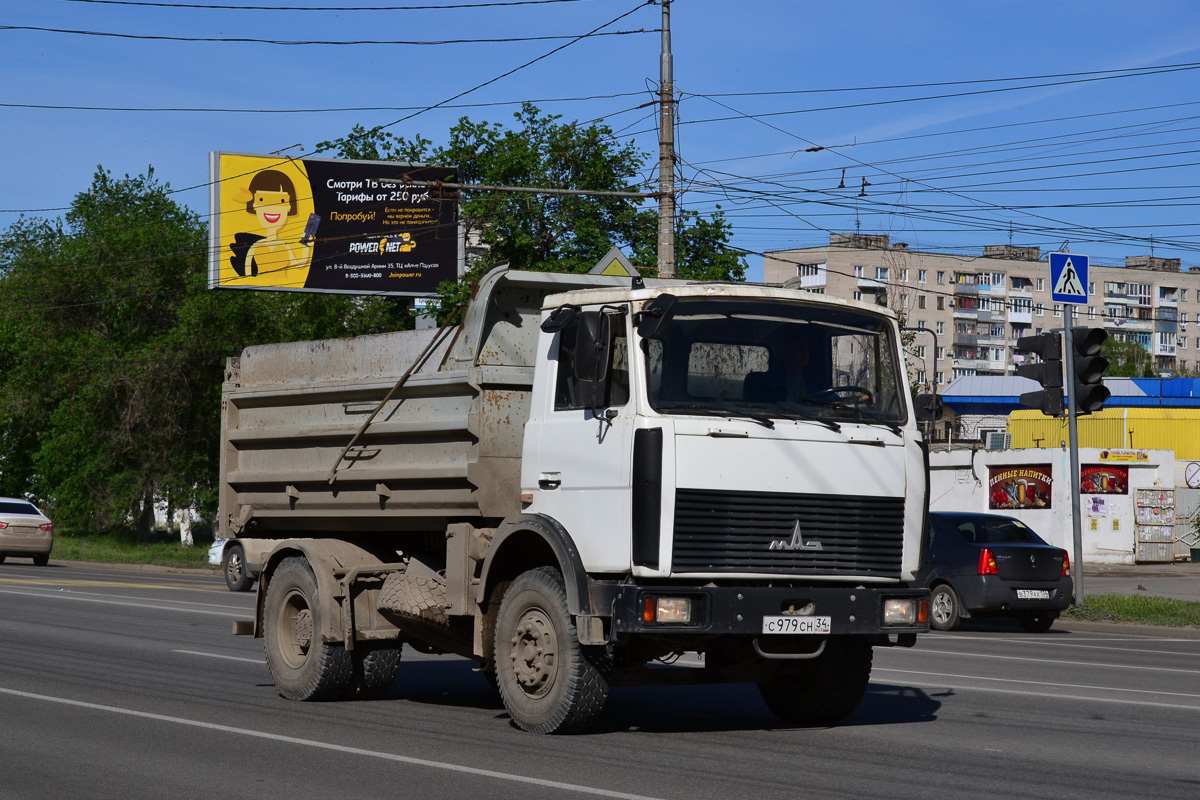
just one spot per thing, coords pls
(534, 653)
(941, 607)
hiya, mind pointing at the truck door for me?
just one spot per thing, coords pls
(583, 456)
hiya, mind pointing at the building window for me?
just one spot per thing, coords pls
(858, 271)
(1183, 343)
(1183, 295)
(920, 351)
(921, 273)
(941, 329)
(1041, 283)
(941, 303)
(904, 301)
(1058, 309)
(939, 353)
(1091, 288)
(1040, 311)
(921, 324)
(1183, 318)
(1091, 312)
(881, 273)
(941, 277)
(998, 279)
(921, 301)
(858, 295)
(904, 274)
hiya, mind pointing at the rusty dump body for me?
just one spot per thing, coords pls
(445, 448)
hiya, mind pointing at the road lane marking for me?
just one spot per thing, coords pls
(78, 597)
(1081, 645)
(118, 584)
(1052, 686)
(215, 655)
(357, 751)
(1054, 661)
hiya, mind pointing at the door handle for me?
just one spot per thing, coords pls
(550, 480)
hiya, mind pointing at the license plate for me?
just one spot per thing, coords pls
(795, 624)
(1033, 594)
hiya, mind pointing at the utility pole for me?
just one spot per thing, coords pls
(666, 152)
(1073, 439)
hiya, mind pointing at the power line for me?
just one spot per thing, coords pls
(291, 43)
(209, 7)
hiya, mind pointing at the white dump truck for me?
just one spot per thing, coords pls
(589, 482)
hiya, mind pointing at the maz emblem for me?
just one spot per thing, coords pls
(797, 542)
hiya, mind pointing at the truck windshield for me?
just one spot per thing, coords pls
(785, 360)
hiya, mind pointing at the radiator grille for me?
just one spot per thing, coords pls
(723, 531)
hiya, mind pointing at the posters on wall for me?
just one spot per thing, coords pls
(1020, 487)
(326, 225)
(1106, 479)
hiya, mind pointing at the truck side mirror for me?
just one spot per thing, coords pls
(559, 318)
(654, 317)
(593, 342)
(929, 407)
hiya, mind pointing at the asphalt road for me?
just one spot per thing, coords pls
(121, 684)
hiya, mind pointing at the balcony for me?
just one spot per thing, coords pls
(871, 284)
(1128, 324)
(1164, 349)
(968, 289)
(1020, 317)
(966, 339)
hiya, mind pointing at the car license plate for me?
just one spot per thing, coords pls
(1033, 594)
(795, 624)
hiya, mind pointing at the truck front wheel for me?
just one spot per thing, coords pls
(304, 667)
(824, 690)
(549, 682)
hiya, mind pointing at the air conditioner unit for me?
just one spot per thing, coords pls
(997, 440)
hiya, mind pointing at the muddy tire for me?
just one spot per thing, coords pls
(233, 565)
(375, 668)
(822, 691)
(421, 599)
(549, 682)
(304, 667)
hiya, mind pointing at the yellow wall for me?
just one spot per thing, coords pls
(1175, 429)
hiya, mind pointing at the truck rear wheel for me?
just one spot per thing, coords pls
(824, 690)
(375, 667)
(547, 680)
(304, 667)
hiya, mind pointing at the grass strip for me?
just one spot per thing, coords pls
(1137, 610)
(116, 549)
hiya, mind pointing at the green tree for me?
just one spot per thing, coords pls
(546, 232)
(112, 353)
(1128, 359)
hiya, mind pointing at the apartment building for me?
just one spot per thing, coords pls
(978, 306)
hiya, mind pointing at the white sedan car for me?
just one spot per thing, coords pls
(25, 531)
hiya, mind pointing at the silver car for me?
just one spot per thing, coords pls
(25, 531)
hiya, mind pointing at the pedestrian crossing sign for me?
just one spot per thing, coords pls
(1069, 278)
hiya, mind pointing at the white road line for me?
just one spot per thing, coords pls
(68, 589)
(215, 655)
(1055, 661)
(1052, 686)
(1080, 644)
(77, 596)
(420, 762)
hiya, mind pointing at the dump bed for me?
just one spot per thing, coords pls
(445, 447)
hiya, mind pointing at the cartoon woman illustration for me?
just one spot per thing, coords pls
(271, 197)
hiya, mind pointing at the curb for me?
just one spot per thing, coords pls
(1155, 631)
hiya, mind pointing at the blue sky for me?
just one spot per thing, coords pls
(1105, 155)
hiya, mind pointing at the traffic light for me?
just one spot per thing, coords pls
(1049, 373)
(1088, 385)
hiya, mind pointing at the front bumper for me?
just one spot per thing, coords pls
(724, 610)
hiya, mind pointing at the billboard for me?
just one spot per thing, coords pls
(1012, 487)
(1106, 479)
(327, 225)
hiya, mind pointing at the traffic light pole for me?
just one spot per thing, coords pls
(1073, 442)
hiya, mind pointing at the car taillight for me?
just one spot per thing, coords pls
(47, 526)
(987, 562)
(3, 525)
(1066, 564)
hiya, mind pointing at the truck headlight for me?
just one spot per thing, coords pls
(667, 610)
(901, 611)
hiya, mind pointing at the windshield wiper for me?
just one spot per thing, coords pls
(793, 413)
(728, 413)
(860, 415)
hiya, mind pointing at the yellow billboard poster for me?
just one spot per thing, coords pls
(328, 225)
